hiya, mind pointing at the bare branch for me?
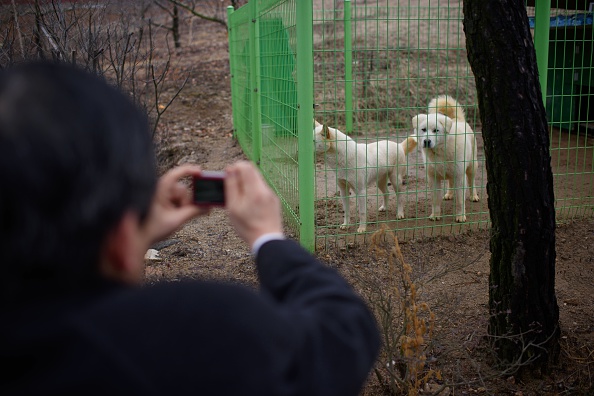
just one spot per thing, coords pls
(18, 29)
(193, 11)
(163, 7)
(90, 37)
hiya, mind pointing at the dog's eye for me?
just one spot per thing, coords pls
(424, 129)
(435, 131)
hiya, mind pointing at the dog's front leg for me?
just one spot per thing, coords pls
(344, 196)
(396, 181)
(470, 173)
(460, 204)
(382, 184)
(400, 205)
(449, 183)
(362, 204)
(437, 190)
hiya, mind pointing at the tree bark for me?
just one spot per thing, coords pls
(524, 318)
(175, 27)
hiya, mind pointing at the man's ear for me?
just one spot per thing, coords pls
(122, 255)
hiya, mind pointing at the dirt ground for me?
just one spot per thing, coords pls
(450, 271)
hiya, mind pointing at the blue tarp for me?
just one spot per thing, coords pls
(567, 20)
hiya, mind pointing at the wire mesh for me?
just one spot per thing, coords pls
(570, 109)
(402, 57)
(264, 76)
(240, 60)
(279, 161)
(376, 65)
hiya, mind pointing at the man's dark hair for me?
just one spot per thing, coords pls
(75, 155)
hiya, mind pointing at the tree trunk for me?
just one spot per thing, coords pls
(37, 31)
(175, 27)
(524, 318)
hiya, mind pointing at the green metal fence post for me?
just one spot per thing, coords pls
(255, 83)
(542, 12)
(304, 30)
(234, 96)
(348, 67)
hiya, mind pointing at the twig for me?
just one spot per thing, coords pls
(197, 14)
(18, 28)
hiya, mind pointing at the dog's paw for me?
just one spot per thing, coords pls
(475, 198)
(460, 219)
(382, 208)
(361, 229)
(343, 226)
(434, 217)
(400, 215)
(448, 196)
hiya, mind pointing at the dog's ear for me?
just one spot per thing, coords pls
(448, 124)
(409, 144)
(418, 119)
(316, 123)
(415, 122)
(326, 132)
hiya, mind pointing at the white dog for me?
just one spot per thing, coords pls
(359, 165)
(449, 149)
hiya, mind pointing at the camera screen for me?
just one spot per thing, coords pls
(209, 191)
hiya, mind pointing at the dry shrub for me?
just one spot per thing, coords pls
(405, 321)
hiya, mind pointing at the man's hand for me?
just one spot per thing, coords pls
(172, 204)
(253, 207)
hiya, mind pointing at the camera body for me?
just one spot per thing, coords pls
(209, 188)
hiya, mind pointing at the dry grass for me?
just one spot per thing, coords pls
(402, 57)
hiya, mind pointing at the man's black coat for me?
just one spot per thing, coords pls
(305, 333)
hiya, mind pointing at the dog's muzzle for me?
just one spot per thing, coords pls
(426, 143)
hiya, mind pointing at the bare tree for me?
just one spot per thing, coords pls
(174, 14)
(115, 41)
(520, 182)
(157, 79)
(210, 10)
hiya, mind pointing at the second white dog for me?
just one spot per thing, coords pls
(359, 165)
(449, 149)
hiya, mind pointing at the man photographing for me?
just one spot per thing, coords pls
(79, 206)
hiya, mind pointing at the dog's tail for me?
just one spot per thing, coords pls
(446, 105)
(409, 144)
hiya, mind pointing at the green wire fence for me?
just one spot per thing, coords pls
(270, 107)
(564, 34)
(367, 70)
(402, 57)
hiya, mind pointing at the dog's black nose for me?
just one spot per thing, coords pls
(427, 143)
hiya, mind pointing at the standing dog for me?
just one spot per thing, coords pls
(359, 165)
(449, 148)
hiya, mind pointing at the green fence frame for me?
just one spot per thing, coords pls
(271, 79)
(286, 56)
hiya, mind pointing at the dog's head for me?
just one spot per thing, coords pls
(324, 137)
(430, 129)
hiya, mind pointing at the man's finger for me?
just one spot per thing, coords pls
(250, 176)
(181, 194)
(180, 172)
(188, 212)
(232, 185)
